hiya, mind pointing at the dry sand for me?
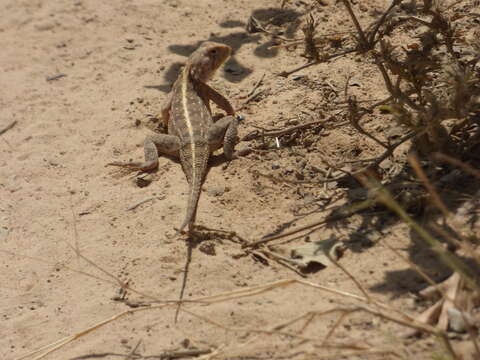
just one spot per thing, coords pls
(118, 60)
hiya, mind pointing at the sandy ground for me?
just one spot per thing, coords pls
(60, 203)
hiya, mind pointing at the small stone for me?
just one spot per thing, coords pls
(458, 321)
(243, 150)
(45, 26)
(143, 180)
(386, 164)
(216, 190)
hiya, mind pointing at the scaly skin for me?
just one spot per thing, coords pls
(192, 134)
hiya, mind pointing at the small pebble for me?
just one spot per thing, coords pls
(216, 190)
(143, 180)
(456, 320)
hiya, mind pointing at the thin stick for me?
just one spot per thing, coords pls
(415, 164)
(255, 87)
(363, 39)
(76, 249)
(297, 182)
(181, 354)
(449, 259)
(324, 59)
(357, 354)
(317, 39)
(355, 281)
(247, 292)
(55, 77)
(282, 333)
(8, 127)
(251, 291)
(340, 319)
(293, 321)
(137, 204)
(456, 162)
(354, 119)
(371, 37)
(250, 99)
(389, 151)
(281, 132)
(115, 281)
(415, 267)
(282, 261)
(348, 211)
(132, 353)
(392, 148)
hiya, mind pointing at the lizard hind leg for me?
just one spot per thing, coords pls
(224, 131)
(154, 144)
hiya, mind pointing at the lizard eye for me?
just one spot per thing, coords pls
(213, 51)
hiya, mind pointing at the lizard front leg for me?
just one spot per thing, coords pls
(154, 144)
(165, 112)
(209, 94)
(224, 131)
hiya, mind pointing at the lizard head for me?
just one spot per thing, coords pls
(207, 59)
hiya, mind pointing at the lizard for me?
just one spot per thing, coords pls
(193, 134)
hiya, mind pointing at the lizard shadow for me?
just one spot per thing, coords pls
(234, 71)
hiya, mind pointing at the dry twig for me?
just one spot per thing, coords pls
(8, 127)
(138, 203)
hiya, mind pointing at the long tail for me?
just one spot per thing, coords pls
(193, 197)
(196, 176)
